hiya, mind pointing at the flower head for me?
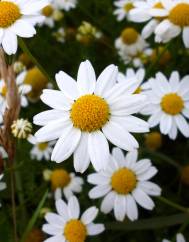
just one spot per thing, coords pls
(123, 8)
(125, 183)
(179, 238)
(21, 128)
(169, 106)
(67, 224)
(153, 140)
(17, 18)
(88, 112)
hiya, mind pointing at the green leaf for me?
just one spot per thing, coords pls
(34, 217)
(153, 223)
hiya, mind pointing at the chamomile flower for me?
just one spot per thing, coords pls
(130, 44)
(175, 21)
(17, 18)
(142, 12)
(40, 150)
(88, 112)
(66, 5)
(2, 185)
(179, 238)
(21, 128)
(63, 182)
(123, 8)
(68, 226)
(59, 35)
(123, 184)
(169, 104)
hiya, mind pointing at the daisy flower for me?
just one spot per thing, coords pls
(179, 238)
(21, 128)
(17, 18)
(123, 8)
(88, 112)
(175, 19)
(2, 185)
(40, 150)
(67, 226)
(60, 35)
(123, 184)
(66, 5)
(142, 12)
(63, 182)
(169, 104)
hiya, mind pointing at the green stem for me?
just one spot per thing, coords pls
(26, 50)
(172, 204)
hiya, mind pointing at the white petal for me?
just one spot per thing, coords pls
(183, 126)
(52, 230)
(23, 29)
(118, 155)
(81, 154)
(89, 215)
(9, 42)
(86, 78)
(108, 202)
(165, 123)
(131, 208)
(99, 191)
(150, 188)
(32, 7)
(174, 81)
(180, 238)
(106, 80)
(66, 145)
(143, 199)
(149, 28)
(186, 36)
(56, 238)
(97, 179)
(184, 85)
(54, 219)
(62, 209)
(148, 174)
(120, 207)
(142, 166)
(94, 229)
(73, 208)
(131, 158)
(98, 149)
(67, 85)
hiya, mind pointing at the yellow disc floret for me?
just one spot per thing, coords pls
(47, 11)
(4, 91)
(60, 178)
(179, 15)
(9, 13)
(75, 231)
(89, 113)
(123, 181)
(129, 36)
(42, 146)
(128, 6)
(172, 104)
(153, 140)
(37, 80)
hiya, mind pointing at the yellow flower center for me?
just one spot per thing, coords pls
(123, 181)
(89, 113)
(179, 15)
(159, 5)
(75, 231)
(60, 178)
(172, 104)
(9, 13)
(47, 11)
(4, 91)
(128, 6)
(42, 146)
(153, 140)
(37, 80)
(129, 36)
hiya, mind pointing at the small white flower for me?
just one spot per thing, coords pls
(40, 150)
(63, 183)
(125, 183)
(66, 5)
(2, 185)
(60, 35)
(123, 8)
(67, 224)
(142, 12)
(175, 21)
(130, 45)
(169, 104)
(17, 18)
(179, 238)
(88, 112)
(21, 128)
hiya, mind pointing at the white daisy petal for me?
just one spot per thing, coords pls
(89, 215)
(97, 179)
(9, 42)
(186, 36)
(131, 208)
(143, 199)
(99, 191)
(148, 174)
(94, 229)
(23, 29)
(62, 209)
(183, 126)
(150, 188)
(56, 238)
(73, 208)
(118, 155)
(180, 238)
(52, 230)
(54, 219)
(120, 207)
(108, 202)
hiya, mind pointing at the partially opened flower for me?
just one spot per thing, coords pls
(17, 18)
(2, 185)
(142, 12)
(179, 238)
(63, 182)
(125, 183)
(169, 104)
(175, 21)
(68, 226)
(88, 112)
(66, 5)
(40, 150)
(123, 8)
